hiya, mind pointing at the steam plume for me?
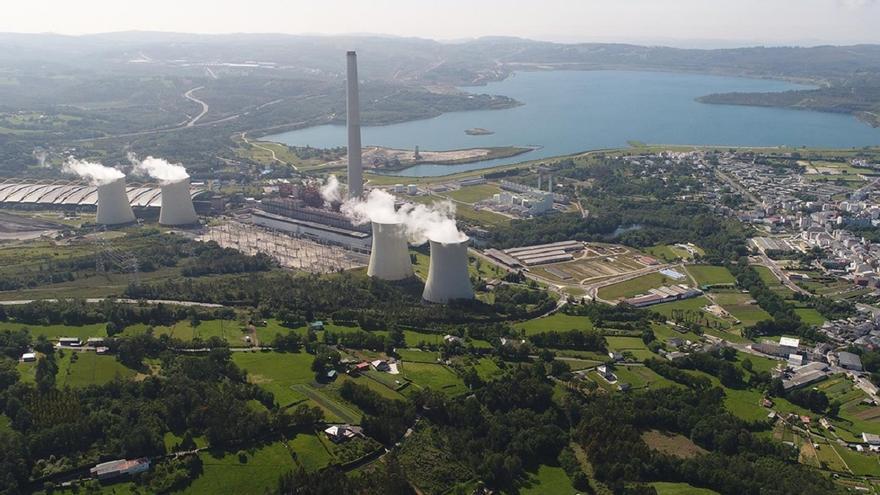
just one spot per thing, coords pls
(421, 222)
(95, 173)
(330, 190)
(40, 155)
(159, 169)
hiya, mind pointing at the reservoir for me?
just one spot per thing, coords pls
(567, 112)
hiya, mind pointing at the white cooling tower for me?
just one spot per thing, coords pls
(353, 121)
(389, 258)
(177, 205)
(448, 273)
(113, 205)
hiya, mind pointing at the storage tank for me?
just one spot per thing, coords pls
(177, 205)
(113, 205)
(448, 276)
(389, 258)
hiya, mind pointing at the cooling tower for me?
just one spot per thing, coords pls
(389, 259)
(353, 121)
(177, 205)
(448, 273)
(113, 205)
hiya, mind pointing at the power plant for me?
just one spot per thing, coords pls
(113, 205)
(389, 258)
(448, 273)
(177, 205)
(353, 123)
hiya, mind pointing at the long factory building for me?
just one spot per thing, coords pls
(74, 194)
(555, 252)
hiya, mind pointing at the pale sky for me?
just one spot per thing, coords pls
(675, 22)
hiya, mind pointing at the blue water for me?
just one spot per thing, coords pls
(570, 111)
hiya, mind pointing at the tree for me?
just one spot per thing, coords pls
(8, 373)
(746, 364)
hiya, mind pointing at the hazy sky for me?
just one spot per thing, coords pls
(711, 22)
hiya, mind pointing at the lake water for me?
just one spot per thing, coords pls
(570, 111)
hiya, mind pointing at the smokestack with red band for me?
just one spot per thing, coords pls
(353, 120)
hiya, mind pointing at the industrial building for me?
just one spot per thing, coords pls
(76, 195)
(295, 217)
(849, 361)
(389, 256)
(663, 294)
(555, 252)
(448, 276)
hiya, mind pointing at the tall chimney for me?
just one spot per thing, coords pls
(353, 120)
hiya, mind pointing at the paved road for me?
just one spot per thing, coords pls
(781, 275)
(736, 185)
(189, 96)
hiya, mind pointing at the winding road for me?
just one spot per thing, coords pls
(189, 96)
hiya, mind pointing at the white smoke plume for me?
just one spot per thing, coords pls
(159, 169)
(95, 173)
(330, 191)
(40, 156)
(421, 222)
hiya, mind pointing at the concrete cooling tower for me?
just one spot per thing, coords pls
(389, 258)
(177, 205)
(448, 273)
(113, 205)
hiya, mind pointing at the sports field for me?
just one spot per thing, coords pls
(711, 275)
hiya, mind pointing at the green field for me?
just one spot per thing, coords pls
(711, 275)
(309, 451)
(666, 488)
(91, 369)
(54, 332)
(558, 321)
(641, 377)
(487, 369)
(547, 479)
(810, 316)
(277, 372)
(671, 252)
(224, 473)
(693, 305)
(636, 286)
(741, 306)
(417, 356)
(434, 376)
(633, 345)
(472, 194)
